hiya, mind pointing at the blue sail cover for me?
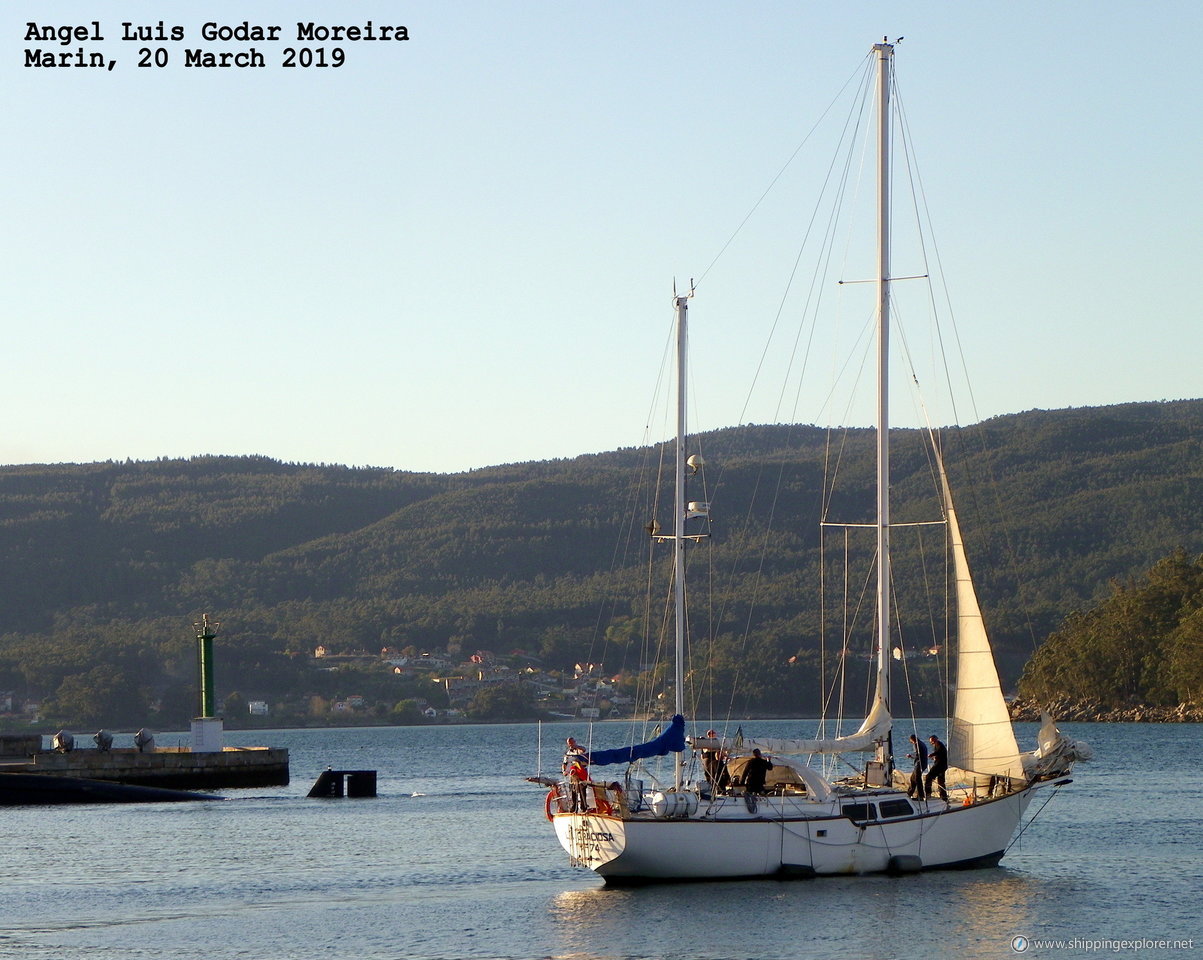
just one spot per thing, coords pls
(671, 740)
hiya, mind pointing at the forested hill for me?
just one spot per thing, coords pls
(104, 566)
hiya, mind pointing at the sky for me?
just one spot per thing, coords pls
(459, 250)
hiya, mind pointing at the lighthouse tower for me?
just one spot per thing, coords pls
(207, 729)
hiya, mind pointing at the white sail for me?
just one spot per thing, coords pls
(981, 738)
(874, 729)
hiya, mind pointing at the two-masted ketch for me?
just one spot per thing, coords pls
(629, 827)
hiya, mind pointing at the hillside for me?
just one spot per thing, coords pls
(103, 567)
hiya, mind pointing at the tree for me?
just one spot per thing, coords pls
(103, 696)
(506, 701)
(407, 712)
(1186, 658)
(1140, 644)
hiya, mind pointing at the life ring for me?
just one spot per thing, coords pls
(552, 794)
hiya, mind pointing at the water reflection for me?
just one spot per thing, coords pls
(869, 916)
(585, 919)
(996, 906)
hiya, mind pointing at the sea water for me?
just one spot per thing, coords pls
(455, 859)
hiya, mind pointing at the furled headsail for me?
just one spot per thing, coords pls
(1056, 753)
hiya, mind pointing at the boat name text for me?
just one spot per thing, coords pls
(587, 843)
(585, 835)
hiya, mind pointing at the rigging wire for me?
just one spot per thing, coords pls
(919, 201)
(646, 492)
(1032, 819)
(852, 122)
(781, 172)
(836, 189)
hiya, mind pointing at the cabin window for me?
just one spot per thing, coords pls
(896, 808)
(860, 811)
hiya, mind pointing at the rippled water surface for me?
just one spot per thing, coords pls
(454, 859)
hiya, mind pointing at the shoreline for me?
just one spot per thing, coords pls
(1088, 710)
(1021, 709)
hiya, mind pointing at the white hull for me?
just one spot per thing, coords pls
(787, 836)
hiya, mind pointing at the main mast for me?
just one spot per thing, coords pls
(885, 55)
(682, 310)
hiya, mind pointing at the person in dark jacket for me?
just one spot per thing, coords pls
(915, 787)
(939, 764)
(754, 773)
(714, 764)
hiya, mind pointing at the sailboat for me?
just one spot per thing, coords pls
(807, 824)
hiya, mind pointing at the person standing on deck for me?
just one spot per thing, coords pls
(574, 756)
(755, 771)
(714, 764)
(576, 769)
(939, 765)
(915, 787)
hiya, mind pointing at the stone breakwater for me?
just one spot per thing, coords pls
(1095, 711)
(173, 768)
